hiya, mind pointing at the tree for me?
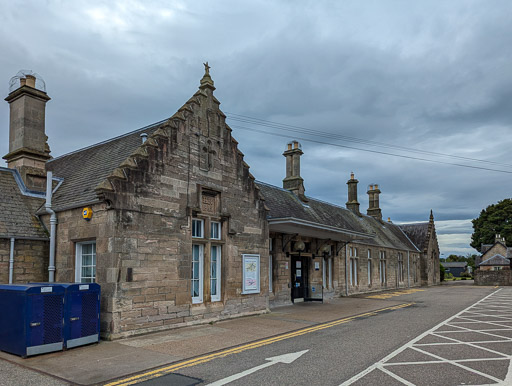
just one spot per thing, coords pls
(442, 272)
(495, 219)
(454, 258)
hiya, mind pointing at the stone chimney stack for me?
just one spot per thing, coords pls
(28, 146)
(373, 200)
(352, 203)
(293, 181)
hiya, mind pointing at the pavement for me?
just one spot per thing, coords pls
(106, 361)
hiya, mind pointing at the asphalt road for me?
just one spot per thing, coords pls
(341, 352)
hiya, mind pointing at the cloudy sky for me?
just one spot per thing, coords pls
(404, 78)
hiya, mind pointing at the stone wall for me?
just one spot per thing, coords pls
(502, 277)
(281, 294)
(30, 260)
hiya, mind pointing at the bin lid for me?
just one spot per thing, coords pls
(33, 288)
(75, 286)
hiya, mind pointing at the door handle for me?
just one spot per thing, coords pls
(74, 319)
(35, 324)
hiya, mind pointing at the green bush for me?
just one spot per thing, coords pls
(442, 272)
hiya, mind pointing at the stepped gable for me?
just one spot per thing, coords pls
(284, 204)
(17, 209)
(89, 173)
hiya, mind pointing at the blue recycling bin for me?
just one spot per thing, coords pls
(31, 318)
(81, 313)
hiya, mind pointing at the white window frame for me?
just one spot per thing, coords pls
(215, 224)
(218, 248)
(245, 289)
(78, 261)
(198, 299)
(201, 221)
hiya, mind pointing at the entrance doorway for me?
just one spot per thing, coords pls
(299, 279)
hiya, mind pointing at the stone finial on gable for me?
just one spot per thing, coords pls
(206, 81)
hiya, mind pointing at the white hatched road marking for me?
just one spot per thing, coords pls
(495, 306)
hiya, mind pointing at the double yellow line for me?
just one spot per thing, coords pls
(220, 354)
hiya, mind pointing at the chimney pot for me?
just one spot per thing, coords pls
(290, 146)
(295, 145)
(31, 81)
(23, 81)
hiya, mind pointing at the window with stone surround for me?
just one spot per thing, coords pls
(400, 267)
(206, 258)
(197, 273)
(215, 230)
(215, 261)
(197, 228)
(353, 266)
(382, 267)
(85, 267)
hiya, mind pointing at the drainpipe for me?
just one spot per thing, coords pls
(346, 269)
(408, 272)
(53, 224)
(11, 260)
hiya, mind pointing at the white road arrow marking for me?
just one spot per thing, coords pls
(285, 358)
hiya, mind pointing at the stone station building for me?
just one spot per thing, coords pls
(173, 226)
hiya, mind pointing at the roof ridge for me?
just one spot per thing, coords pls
(308, 197)
(109, 140)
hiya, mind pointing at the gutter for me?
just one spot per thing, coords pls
(53, 225)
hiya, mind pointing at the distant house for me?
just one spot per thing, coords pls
(495, 257)
(456, 268)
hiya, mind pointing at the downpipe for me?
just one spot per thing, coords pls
(11, 260)
(53, 226)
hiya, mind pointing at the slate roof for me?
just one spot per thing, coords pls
(284, 204)
(496, 260)
(485, 248)
(17, 210)
(418, 233)
(84, 169)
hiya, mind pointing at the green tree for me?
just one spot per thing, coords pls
(495, 219)
(442, 272)
(454, 258)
